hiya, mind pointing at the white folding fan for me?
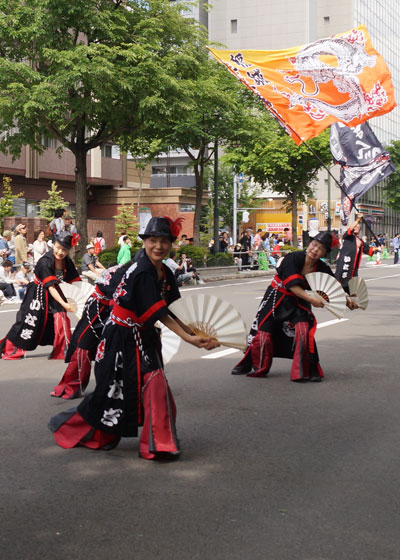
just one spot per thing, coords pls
(330, 290)
(77, 294)
(170, 342)
(359, 292)
(208, 315)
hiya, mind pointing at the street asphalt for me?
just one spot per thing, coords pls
(270, 470)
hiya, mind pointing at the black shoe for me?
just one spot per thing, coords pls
(241, 369)
(316, 379)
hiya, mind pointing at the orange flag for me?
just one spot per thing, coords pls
(340, 78)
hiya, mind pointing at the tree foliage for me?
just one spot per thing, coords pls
(89, 72)
(392, 183)
(6, 200)
(48, 206)
(126, 222)
(269, 155)
(215, 107)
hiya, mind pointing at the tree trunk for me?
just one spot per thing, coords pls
(199, 175)
(81, 198)
(294, 220)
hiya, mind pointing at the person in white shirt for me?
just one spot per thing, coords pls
(40, 246)
(6, 282)
(22, 279)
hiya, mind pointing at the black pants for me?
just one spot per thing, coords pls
(7, 289)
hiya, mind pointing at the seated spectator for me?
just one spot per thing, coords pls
(180, 270)
(124, 254)
(91, 267)
(6, 280)
(22, 279)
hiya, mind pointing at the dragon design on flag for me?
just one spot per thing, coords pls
(351, 58)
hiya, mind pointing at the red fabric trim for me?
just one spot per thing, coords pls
(122, 313)
(153, 309)
(45, 281)
(371, 251)
(269, 313)
(349, 231)
(77, 279)
(293, 277)
(98, 294)
(88, 326)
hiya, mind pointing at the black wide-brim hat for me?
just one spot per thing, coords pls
(326, 239)
(158, 227)
(65, 239)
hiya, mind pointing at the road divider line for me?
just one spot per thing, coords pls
(329, 323)
(381, 277)
(220, 354)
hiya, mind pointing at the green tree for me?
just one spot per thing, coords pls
(6, 200)
(392, 183)
(269, 155)
(126, 222)
(88, 73)
(48, 206)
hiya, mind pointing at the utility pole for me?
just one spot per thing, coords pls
(216, 214)
(234, 232)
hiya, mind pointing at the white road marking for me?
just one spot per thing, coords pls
(329, 323)
(201, 287)
(220, 354)
(381, 277)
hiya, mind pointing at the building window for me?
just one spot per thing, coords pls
(233, 25)
(111, 151)
(327, 19)
(48, 142)
(186, 208)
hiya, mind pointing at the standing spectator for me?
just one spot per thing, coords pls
(237, 255)
(91, 267)
(11, 245)
(121, 239)
(40, 246)
(22, 279)
(287, 236)
(183, 240)
(125, 254)
(69, 226)
(223, 242)
(396, 248)
(99, 243)
(4, 244)
(257, 240)
(57, 223)
(245, 242)
(6, 282)
(21, 249)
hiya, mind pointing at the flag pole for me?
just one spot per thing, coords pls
(311, 149)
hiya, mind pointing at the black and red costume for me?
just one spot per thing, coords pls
(131, 387)
(285, 326)
(87, 334)
(349, 257)
(41, 320)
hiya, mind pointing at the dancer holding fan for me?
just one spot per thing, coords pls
(285, 326)
(131, 388)
(42, 319)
